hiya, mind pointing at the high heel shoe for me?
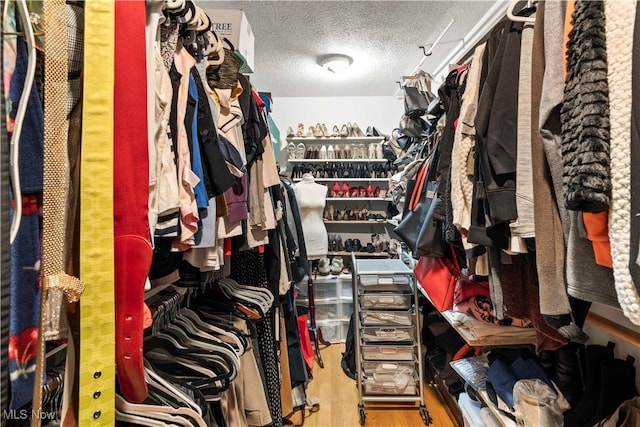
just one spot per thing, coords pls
(311, 132)
(345, 189)
(362, 192)
(335, 132)
(317, 131)
(336, 190)
(301, 150)
(356, 131)
(349, 129)
(363, 214)
(344, 131)
(372, 151)
(325, 131)
(291, 151)
(337, 152)
(300, 132)
(355, 213)
(323, 153)
(331, 211)
(379, 153)
(383, 192)
(347, 152)
(290, 133)
(331, 154)
(370, 191)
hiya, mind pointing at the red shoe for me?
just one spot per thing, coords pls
(345, 189)
(355, 192)
(369, 191)
(336, 190)
(362, 192)
(376, 192)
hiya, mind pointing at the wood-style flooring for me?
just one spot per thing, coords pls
(338, 396)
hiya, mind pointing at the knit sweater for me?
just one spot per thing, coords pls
(620, 17)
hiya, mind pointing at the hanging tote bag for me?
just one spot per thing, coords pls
(437, 278)
(408, 230)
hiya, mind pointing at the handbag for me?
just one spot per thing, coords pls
(415, 103)
(408, 230)
(430, 239)
(437, 278)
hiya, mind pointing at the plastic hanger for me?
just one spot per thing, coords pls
(516, 18)
(141, 409)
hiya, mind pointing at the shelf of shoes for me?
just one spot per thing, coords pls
(347, 199)
(337, 161)
(335, 139)
(382, 221)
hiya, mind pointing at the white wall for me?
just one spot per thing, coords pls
(383, 112)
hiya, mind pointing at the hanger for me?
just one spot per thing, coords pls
(515, 18)
(22, 110)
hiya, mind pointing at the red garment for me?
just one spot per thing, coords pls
(132, 249)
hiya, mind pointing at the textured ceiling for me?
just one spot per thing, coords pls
(381, 36)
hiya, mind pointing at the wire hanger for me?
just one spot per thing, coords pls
(516, 18)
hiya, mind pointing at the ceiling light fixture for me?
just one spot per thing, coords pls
(335, 62)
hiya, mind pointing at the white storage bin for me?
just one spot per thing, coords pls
(373, 334)
(391, 318)
(344, 330)
(347, 309)
(386, 301)
(328, 310)
(330, 330)
(388, 352)
(346, 288)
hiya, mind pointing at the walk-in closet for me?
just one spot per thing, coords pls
(320, 213)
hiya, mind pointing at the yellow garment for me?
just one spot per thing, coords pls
(97, 312)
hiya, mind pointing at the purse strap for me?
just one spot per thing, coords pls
(426, 173)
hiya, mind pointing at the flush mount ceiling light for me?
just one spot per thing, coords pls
(335, 62)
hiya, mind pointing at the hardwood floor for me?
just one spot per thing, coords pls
(338, 396)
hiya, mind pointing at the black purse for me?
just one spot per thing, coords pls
(415, 103)
(422, 197)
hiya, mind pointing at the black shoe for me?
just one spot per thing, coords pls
(357, 245)
(348, 245)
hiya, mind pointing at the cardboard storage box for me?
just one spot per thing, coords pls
(233, 25)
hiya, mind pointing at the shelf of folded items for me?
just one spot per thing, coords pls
(334, 139)
(337, 161)
(491, 335)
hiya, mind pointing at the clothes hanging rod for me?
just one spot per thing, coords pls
(615, 329)
(494, 15)
(427, 53)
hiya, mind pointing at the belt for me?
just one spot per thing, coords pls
(97, 347)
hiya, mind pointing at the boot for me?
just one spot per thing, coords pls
(618, 384)
(580, 414)
(547, 360)
(569, 372)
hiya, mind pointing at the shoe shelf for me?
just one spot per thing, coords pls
(319, 140)
(344, 179)
(355, 222)
(337, 161)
